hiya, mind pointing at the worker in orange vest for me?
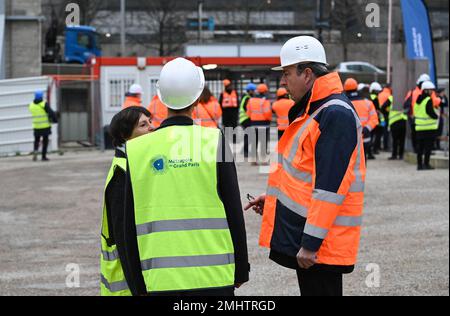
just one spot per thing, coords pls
(260, 114)
(158, 111)
(229, 102)
(208, 112)
(367, 114)
(281, 109)
(133, 97)
(312, 210)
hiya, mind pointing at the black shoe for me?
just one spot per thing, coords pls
(392, 158)
(45, 159)
(372, 157)
(401, 158)
(420, 168)
(428, 167)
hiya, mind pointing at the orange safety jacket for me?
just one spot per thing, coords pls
(258, 110)
(315, 192)
(158, 111)
(207, 115)
(366, 111)
(281, 109)
(229, 100)
(131, 101)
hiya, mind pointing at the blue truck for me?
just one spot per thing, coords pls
(81, 43)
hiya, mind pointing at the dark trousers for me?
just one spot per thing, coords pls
(412, 126)
(230, 119)
(424, 148)
(246, 124)
(398, 131)
(386, 137)
(367, 150)
(378, 134)
(260, 146)
(319, 283)
(37, 140)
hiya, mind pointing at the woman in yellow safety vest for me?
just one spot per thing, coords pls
(128, 124)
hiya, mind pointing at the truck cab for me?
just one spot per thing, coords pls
(81, 44)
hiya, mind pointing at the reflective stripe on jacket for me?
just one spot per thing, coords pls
(112, 278)
(315, 192)
(281, 109)
(207, 115)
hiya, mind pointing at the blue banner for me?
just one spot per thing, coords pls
(418, 33)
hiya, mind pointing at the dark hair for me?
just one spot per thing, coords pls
(206, 96)
(318, 69)
(124, 122)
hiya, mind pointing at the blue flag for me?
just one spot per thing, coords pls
(418, 33)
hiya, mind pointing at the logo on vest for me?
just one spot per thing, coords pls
(159, 165)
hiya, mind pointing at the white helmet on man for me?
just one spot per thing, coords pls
(375, 87)
(302, 49)
(423, 78)
(428, 85)
(180, 84)
(135, 89)
(362, 86)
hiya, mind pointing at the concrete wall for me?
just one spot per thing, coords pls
(23, 44)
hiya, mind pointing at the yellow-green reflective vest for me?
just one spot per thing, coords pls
(39, 116)
(183, 235)
(396, 116)
(422, 120)
(112, 278)
(242, 112)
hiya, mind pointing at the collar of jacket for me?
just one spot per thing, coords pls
(177, 121)
(120, 152)
(323, 87)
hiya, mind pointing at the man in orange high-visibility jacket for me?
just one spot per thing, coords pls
(133, 97)
(281, 108)
(260, 114)
(208, 112)
(366, 111)
(158, 111)
(312, 211)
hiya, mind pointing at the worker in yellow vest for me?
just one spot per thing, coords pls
(128, 124)
(182, 191)
(42, 119)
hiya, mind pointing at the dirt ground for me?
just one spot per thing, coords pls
(50, 222)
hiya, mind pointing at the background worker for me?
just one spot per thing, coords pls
(158, 111)
(133, 97)
(244, 120)
(42, 118)
(398, 121)
(128, 124)
(366, 112)
(375, 90)
(281, 108)
(229, 101)
(184, 225)
(386, 100)
(208, 111)
(260, 113)
(426, 118)
(313, 206)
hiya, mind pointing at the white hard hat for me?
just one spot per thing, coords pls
(135, 89)
(362, 86)
(180, 84)
(423, 78)
(428, 85)
(375, 87)
(302, 49)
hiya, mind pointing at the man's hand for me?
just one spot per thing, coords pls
(257, 205)
(306, 259)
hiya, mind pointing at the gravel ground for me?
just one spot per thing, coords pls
(50, 218)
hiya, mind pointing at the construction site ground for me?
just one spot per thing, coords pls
(50, 217)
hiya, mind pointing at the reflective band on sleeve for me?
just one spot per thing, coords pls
(300, 175)
(348, 221)
(330, 197)
(182, 225)
(115, 286)
(110, 256)
(315, 231)
(288, 202)
(357, 186)
(187, 262)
